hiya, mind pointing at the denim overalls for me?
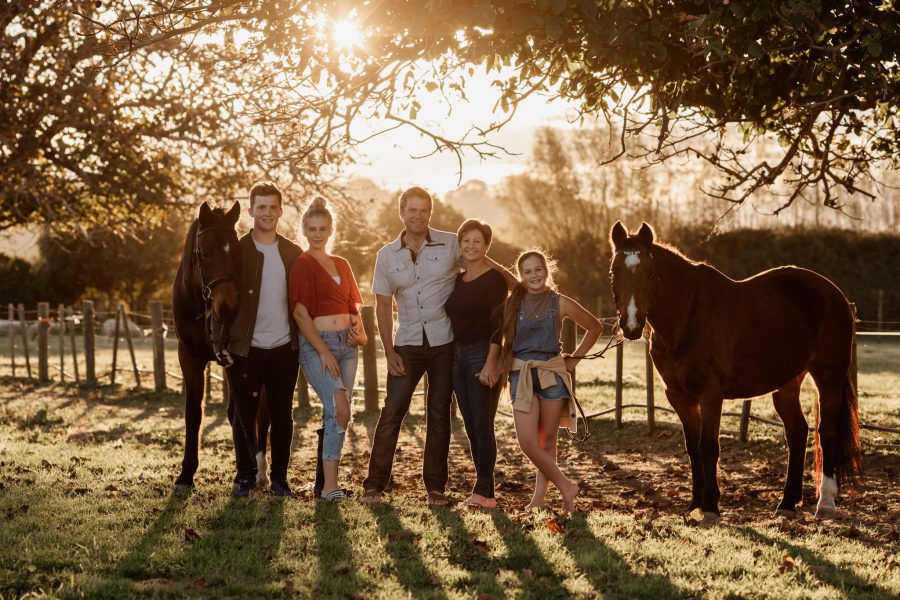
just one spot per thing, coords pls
(538, 339)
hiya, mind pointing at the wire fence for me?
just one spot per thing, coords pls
(88, 349)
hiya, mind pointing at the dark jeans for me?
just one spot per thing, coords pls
(437, 361)
(274, 369)
(478, 405)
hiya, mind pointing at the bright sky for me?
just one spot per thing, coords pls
(388, 159)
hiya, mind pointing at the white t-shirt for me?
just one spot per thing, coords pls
(272, 327)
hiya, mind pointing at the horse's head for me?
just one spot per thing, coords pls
(217, 260)
(633, 275)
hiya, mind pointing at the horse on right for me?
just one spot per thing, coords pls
(713, 338)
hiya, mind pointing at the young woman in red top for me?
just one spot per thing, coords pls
(325, 303)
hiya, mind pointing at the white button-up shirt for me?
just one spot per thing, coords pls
(420, 287)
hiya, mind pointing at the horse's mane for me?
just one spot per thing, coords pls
(666, 246)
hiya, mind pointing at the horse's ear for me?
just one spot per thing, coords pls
(235, 213)
(617, 234)
(645, 235)
(205, 213)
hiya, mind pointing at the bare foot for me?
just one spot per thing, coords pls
(568, 494)
(535, 504)
(479, 501)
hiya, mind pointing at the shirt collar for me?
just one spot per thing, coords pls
(400, 242)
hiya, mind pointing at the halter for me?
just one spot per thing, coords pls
(206, 293)
(654, 278)
(206, 288)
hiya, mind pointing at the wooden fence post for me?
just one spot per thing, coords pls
(159, 346)
(126, 323)
(208, 383)
(619, 363)
(12, 337)
(70, 313)
(854, 371)
(370, 364)
(568, 343)
(303, 391)
(87, 325)
(112, 375)
(61, 331)
(24, 331)
(880, 311)
(744, 434)
(651, 407)
(43, 323)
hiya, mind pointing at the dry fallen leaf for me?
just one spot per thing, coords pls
(787, 563)
(554, 526)
(190, 535)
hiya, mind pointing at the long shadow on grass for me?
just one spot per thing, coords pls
(409, 569)
(468, 553)
(538, 577)
(337, 569)
(138, 564)
(608, 571)
(236, 548)
(842, 579)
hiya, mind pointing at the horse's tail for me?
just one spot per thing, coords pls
(848, 453)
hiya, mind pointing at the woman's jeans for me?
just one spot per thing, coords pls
(478, 405)
(326, 386)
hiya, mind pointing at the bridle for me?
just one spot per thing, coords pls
(206, 288)
(206, 292)
(653, 277)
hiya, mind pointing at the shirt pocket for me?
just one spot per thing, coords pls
(401, 275)
(437, 263)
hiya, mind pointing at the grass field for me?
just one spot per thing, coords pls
(87, 509)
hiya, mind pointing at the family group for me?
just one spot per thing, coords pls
(465, 321)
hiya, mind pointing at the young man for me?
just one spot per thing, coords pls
(263, 343)
(419, 270)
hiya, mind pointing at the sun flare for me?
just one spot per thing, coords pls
(346, 34)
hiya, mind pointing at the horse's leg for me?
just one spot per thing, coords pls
(193, 371)
(787, 405)
(262, 434)
(689, 413)
(710, 418)
(837, 436)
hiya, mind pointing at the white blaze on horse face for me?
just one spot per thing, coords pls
(632, 261)
(631, 323)
(827, 491)
(227, 248)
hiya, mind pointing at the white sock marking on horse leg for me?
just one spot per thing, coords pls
(827, 491)
(632, 314)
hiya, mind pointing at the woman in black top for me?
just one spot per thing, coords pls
(475, 308)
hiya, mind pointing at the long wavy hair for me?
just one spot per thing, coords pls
(511, 308)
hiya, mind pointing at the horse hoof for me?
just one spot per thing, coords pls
(184, 482)
(262, 482)
(826, 512)
(711, 518)
(786, 513)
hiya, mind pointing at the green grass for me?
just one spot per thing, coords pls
(87, 509)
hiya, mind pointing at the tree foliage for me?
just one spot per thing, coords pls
(132, 269)
(94, 135)
(821, 76)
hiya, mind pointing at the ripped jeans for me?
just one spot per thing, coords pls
(326, 386)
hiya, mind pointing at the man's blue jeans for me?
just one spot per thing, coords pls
(437, 362)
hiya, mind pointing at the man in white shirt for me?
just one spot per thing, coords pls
(419, 270)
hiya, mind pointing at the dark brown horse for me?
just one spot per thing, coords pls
(714, 338)
(205, 286)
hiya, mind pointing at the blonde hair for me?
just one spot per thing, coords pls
(317, 207)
